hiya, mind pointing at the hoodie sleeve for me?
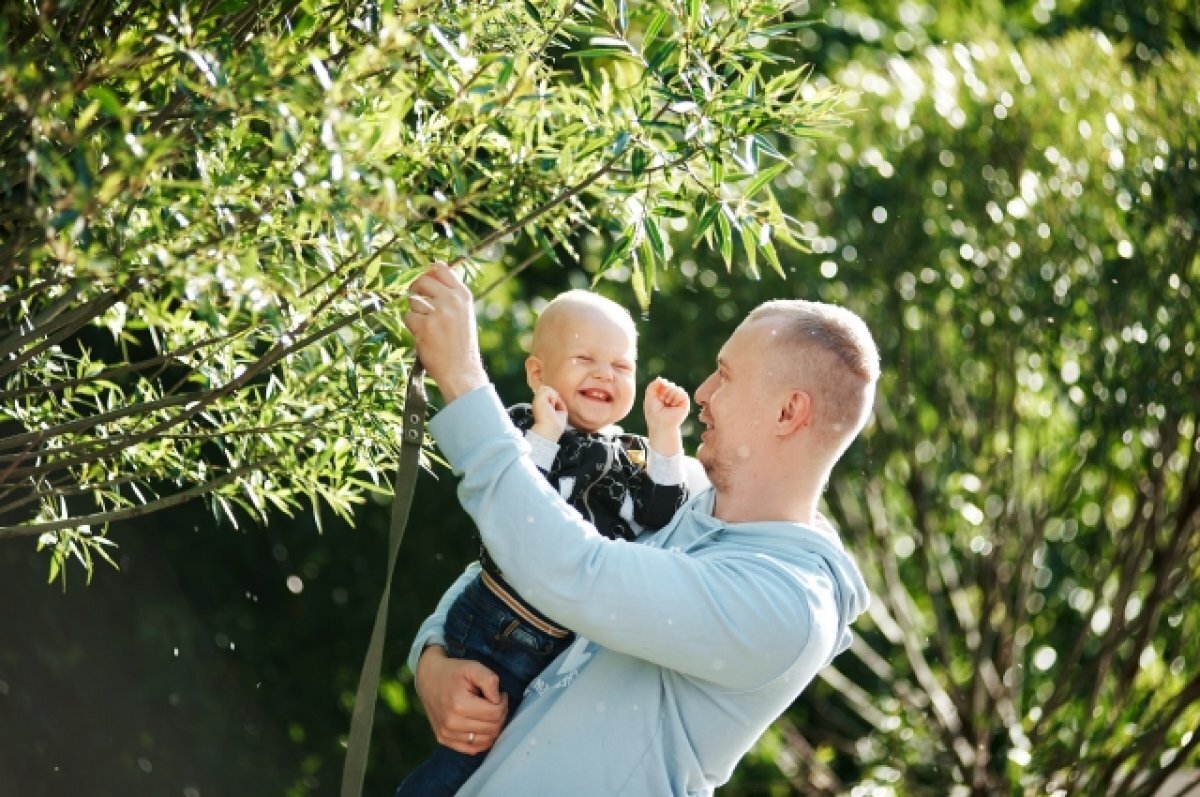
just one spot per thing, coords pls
(731, 615)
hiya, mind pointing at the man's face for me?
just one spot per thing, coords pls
(735, 402)
(590, 360)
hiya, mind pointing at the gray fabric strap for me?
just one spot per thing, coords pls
(363, 717)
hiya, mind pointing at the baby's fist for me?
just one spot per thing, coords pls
(549, 414)
(666, 404)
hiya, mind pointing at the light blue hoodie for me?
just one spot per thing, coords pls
(691, 640)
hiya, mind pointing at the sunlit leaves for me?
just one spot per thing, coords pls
(213, 215)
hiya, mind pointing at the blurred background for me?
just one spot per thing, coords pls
(1014, 210)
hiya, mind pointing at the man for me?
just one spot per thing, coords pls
(691, 643)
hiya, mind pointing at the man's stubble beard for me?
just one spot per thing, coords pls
(716, 471)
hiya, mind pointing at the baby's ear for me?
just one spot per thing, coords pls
(533, 372)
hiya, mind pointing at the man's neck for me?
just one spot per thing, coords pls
(751, 505)
(777, 485)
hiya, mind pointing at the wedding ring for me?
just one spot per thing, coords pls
(471, 737)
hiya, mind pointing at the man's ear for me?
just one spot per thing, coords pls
(533, 371)
(795, 413)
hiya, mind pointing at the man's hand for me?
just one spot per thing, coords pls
(549, 414)
(666, 406)
(441, 317)
(463, 700)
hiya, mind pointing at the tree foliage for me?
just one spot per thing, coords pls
(1021, 226)
(212, 215)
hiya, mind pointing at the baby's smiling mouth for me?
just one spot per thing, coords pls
(596, 395)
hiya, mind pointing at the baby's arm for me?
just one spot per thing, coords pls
(660, 489)
(549, 420)
(666, 406)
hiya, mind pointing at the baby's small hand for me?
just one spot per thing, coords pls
(666, 405)
(549, 414)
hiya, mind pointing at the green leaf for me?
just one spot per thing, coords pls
(642, 262)
(650, 260)
(667, 210)
(653, 29)
(717, 169)
(637, 161)
(725, 238)
(768, 249)
(86, 115)
(108, 100)
(707, 218)
(654, 236)
(544, 244)
(764, 177)
(787, 27)
(608, 53)
(661, 55)
(619, 250)
(506, 71)
(750, 245)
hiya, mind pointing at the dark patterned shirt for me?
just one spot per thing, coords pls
(604, 477)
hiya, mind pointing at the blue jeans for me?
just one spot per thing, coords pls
(481, 627)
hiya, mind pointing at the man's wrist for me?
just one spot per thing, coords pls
(430, 651)
(459, 384)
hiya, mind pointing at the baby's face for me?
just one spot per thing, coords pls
(590, 360)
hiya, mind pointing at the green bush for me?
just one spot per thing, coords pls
(1020, 227)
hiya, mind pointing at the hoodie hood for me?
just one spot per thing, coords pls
(819, 540)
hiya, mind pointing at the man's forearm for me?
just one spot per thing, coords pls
(430, 633)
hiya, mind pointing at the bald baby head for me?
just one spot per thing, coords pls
(563, 310)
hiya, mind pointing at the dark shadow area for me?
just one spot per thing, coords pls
(217, 662)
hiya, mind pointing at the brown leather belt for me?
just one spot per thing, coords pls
(522, 611)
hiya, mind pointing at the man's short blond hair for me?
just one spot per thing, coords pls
(577, 300)
(828, 351)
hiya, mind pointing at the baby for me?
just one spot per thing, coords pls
(581, 372)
